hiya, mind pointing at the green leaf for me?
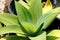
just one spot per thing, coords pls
(50, 17)
(39, 37)
(47, 18)
(1, 25)
(53, 35)
(51, 38)
(23, 14)
(36, 9)
(15, 38)
(30, 28)
(11, 29)
(8, 19)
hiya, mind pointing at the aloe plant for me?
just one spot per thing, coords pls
(28, 24)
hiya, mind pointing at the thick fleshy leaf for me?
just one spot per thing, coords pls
(11, 29)
(15, 38)
(8, 19)
(36, 9)
(39, 37)
(47, 18)
(23, 14)
(30, 28)
(53, 35)
(47, 7)
(52, 15)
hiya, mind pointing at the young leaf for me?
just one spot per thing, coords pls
(23, 14)
(8, 19)
(36, 9)
(11, 29)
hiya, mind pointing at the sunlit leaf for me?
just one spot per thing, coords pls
(50, 17)
(8, 19)
(47, 18)
(53, 35)
(11, 29)
(36, 9)
(30, 28)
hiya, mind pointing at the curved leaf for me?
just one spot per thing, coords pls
(50, 17)
(15, 38)
(11, 29)
(8, 19)
(30, 28)
(23, 14)
(47, 18)
(53, 35)
(36, 9)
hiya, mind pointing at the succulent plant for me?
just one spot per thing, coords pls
(28, 24)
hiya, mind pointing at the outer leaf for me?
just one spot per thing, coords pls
(8, 19)
(15, 38)
(23, 14)
(53, 14)
(36, 9)
(39, 37)
(53, 35)
(11, 29)
(47, 18)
